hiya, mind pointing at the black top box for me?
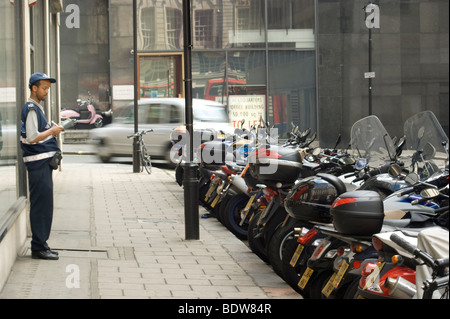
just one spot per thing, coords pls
(358, 213)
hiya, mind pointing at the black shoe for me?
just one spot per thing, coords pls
(44, 254)
(53, 252)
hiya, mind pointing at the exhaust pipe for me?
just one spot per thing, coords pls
(400, 288)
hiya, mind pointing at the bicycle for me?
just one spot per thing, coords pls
(145, 159)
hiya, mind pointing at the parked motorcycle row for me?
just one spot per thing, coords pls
(369, 221)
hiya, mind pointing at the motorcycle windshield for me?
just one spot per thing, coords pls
(424, 135)
(370, 140)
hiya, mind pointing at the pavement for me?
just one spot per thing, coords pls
(121, 235)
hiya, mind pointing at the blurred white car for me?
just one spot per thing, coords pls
(163, 115)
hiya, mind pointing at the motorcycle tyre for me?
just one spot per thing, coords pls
(223, 205)
(98, 123)
(277, 243)
(317, 284)
(259, 244)
(291, 274)
(230, 215)
(202, 193)
(256, 244)
(352, 289)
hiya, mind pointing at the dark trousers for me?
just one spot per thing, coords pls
(41, 205)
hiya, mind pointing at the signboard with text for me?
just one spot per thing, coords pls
(251, 108)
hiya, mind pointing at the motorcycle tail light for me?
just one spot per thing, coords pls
(377, 243)
(320, 249)
(368, 269)
(340, 251)
(356, 264)
(306, 239)
(266, 153)
(342, 201)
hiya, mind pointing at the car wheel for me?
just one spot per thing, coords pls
(102, 151)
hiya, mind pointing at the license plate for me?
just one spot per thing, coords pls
(211, 189)
(215, 201)
(305, 278)
(329, 287)
(250, 202)
(296, 255)
(340, 274)
(218, 195)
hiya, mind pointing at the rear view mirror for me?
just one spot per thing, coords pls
(395, 170)
(429, 193)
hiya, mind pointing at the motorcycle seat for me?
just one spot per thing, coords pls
(400, 223)
(335, 181)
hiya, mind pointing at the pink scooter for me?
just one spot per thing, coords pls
(94, 118)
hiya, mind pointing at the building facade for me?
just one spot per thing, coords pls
(308, 62)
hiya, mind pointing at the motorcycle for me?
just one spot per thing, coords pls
(94, 119)
(227, 193)
(420, 266)
(274, 226)
(396, 273)
(311, 198)
(340, 256)
(377, 149)
(233, 194)
(358, 252)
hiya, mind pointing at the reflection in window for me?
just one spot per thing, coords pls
(148, 28)
(249, 14)
(243, 19)
(8, 109)
(203, 28)
(208, 68)
(157, 76)
(174, 27)
(248, 24)
(292, 97)
(290, 14)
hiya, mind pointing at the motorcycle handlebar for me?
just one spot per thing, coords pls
(429, 260)
(407, 190)
(404, 244)
(366, 176)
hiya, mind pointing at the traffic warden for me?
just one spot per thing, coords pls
(41, 155)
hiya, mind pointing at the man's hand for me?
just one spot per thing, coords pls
(56, 129)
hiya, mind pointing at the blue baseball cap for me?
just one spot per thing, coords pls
(40, 76)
